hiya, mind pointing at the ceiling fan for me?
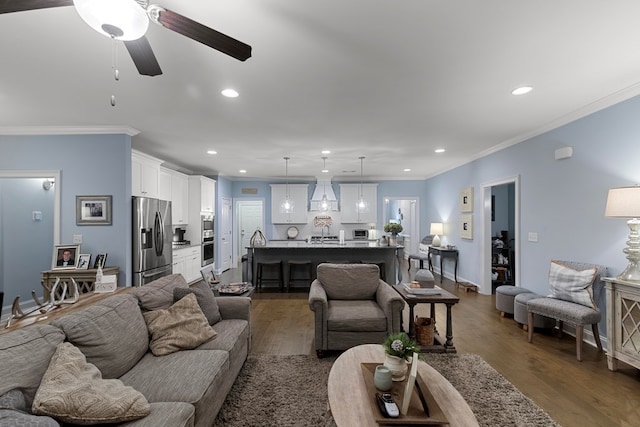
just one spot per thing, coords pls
(128, 20)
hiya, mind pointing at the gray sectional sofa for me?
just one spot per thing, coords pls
(184, 388)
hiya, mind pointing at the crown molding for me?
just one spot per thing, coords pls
(68, 130)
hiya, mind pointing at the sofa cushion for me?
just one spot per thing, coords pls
(14, 412)
(24, 357)
(158, 294)
(349, 281)
(112, 334)
(174, 414)
(572, 285)
(182, 326)
(205, 297)
(355, 316)
(73, 391)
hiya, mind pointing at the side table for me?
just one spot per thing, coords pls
(623, 318)
(444, 253)
(84, 278)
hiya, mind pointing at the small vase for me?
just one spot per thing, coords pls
(397, 366)
(382, 378)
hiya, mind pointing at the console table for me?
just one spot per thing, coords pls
(623, 318)
(444, 253)
(84, 278)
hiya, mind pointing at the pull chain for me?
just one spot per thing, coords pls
(114, 67)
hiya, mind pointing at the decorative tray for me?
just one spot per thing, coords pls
(234, 288)
(416, 414)
(422, 291)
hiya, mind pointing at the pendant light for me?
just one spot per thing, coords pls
(287, 204)
(324, 202)
(362, 205)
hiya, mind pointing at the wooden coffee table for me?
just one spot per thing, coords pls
(349, 401)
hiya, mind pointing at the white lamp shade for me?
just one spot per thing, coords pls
(436, 228)
(126, 15)
(623, 202)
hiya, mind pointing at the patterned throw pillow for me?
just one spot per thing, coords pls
(572, 285)
(182, 326)
(74, 391)
(206, 300)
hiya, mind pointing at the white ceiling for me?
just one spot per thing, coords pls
(389, 80)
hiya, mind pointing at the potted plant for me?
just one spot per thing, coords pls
(399, 348)
(394, 229)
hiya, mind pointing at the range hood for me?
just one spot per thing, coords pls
(323, 186)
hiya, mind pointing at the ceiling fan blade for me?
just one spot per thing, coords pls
(205, 35)
(9, 6)
(142, 55)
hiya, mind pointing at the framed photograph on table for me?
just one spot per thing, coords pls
(466, 227)
(93, 210)
(84, 260)
(466, 199)
(65, 257)
(101, 261)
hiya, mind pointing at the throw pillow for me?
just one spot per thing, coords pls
(14, 412)
(73, 391)
(182, 326)
(206, 300)
(572, 285)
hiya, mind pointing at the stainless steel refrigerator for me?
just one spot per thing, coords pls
(152, 237)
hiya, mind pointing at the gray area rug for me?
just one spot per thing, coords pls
(292, 391)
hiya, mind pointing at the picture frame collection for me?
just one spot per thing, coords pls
(68, 257)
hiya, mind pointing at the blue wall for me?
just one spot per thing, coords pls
(88, 165)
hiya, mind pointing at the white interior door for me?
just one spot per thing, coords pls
(226, 235)
(250, 217)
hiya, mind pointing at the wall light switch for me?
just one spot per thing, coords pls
(533, 237)
(36, 215)
(77, 238)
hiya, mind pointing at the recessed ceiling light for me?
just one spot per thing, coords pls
(407, 170)
(440, 150)
(212, 152)
(521, 90)
(230, 93)
(242, 171)
(325, 170)
(326, 151)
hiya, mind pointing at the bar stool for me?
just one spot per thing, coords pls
(305, 273)
(273, 266)
(381, 266)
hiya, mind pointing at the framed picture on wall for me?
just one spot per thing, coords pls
(93, 210)
(466, 227)
(466, 199)
(65, 256)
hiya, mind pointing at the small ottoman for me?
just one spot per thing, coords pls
(505, 296)
(520, 313)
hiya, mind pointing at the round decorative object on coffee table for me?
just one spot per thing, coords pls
(397, 366)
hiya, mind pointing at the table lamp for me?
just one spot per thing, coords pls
(624, 202)
(436, 229)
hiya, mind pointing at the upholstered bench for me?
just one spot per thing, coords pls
(505, 296)
(521, 314)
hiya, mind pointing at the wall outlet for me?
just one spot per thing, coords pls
(533, 237)
(77, 238)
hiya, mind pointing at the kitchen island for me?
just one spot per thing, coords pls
(317, 253)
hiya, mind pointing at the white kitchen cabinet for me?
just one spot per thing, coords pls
(187, 262)
(202, 193)
(298, 194)
(349, 211)
(145, 174)
(174, 186)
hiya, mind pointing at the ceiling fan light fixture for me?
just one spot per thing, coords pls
(109, 16)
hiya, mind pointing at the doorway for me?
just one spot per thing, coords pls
(226, 235)
(250, 214)
(405, 211)
(501, 234)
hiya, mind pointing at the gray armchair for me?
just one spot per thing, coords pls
(566, 311)
(352, 306)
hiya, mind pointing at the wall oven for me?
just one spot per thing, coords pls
(207, 251)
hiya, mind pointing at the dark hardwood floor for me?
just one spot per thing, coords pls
(574, 393)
